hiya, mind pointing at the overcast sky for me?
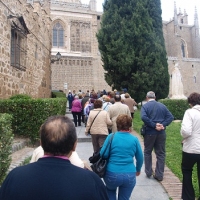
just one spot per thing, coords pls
(168, 8)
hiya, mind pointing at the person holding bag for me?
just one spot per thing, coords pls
(190, 131)
(121, 171)
(97, 125)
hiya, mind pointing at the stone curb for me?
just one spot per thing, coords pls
(19, 156)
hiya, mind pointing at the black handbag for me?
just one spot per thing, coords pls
(99, 167)
(143, 130)
(95, 157)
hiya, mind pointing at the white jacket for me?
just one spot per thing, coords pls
(190, 130)
(74, 158)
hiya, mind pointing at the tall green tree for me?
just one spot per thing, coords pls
(132, 49)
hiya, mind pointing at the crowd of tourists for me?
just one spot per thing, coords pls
(80, 103)
(56, 170)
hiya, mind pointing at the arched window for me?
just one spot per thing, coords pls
(183, 49)
(58, 35)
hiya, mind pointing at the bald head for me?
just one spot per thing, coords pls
(58, 135)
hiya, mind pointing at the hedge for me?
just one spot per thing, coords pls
(176, 106)
(58, 94)
(6, 138)
(29, 114)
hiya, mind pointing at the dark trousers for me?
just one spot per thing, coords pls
(188, 162)
(70, 105)
(97, 141)
(75, 116)
(156, 142)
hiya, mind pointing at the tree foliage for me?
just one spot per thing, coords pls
(132, 47)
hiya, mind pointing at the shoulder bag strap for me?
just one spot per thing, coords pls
(106, 105)
(152, 111)
(196, 109)
(93, 120)
(109, 144)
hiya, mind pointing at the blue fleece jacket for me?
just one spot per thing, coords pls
(155, 112)
(123, 149)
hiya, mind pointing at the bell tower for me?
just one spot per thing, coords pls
(196, 23)
(175, 19)
(93, 5)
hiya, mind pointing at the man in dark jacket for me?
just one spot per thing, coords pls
(83, 101)
(53, 176)
(156, 117)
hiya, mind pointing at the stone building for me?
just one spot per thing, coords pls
(33, 31)
(182, 43)
(74, 27)
(25, 48)
(80, 66)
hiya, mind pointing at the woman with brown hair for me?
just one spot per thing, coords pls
(121, 171)
(190, 131)
(98, 121)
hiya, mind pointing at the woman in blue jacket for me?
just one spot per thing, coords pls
(121, 171)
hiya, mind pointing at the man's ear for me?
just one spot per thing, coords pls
(74, 147)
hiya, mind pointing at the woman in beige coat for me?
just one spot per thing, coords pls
(98, 126)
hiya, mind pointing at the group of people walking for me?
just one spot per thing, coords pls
(59, 171)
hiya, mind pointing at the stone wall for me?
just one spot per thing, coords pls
(34, 80)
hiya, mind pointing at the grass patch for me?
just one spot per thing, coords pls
(173, 149)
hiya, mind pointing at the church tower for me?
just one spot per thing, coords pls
(196, 23)
(93, 5)
(175, 19)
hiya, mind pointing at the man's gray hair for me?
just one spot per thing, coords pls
(151, 94)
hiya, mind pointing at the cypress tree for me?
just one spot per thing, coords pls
(130, 48)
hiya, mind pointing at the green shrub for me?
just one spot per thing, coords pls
(29, 114)
(58, 94)
(6, 138)
(176, 106)
(20, 96)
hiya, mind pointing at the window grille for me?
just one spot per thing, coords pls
(18, 50)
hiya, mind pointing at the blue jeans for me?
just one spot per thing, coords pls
(125, 182)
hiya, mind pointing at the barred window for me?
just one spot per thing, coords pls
(183, 49)
(58, 35)
(18, 50)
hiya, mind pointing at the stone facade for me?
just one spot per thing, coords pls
(83, 70)
(25, 48)
(33, 31)
(80, 66)
(182, 43)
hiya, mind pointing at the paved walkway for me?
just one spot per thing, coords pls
(145, 189)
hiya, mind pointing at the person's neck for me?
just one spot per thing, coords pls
(151, 99)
